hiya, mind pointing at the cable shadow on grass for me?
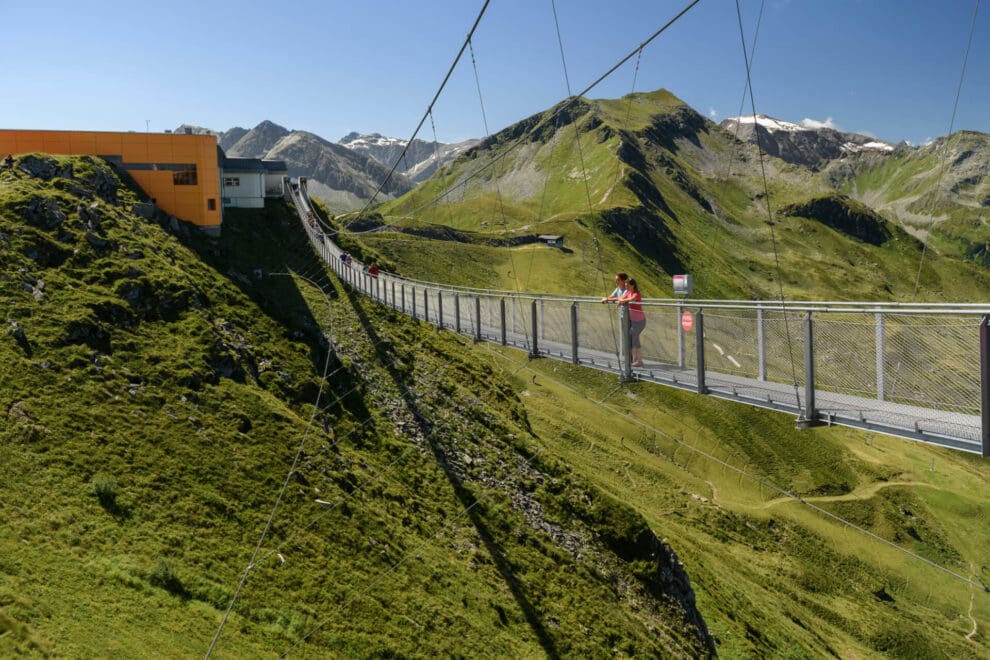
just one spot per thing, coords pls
(467, 499)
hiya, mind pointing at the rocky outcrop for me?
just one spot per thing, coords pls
(44, 168)
(337, 167)
(811, 147)
(257, 142)
(421, 159)
(844, 215)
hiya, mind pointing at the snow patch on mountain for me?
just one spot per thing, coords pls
(355, 140)
(854, 148)
(769, 123)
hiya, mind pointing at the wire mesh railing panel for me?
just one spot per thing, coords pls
(433, 305)
(448, 308)
(783, 334)
(598, 329)
(491, 321)
(901, 368)
(463, 313)
(660, 337)
(414, 301)
(732, 342)
(519, 313)
(555, 324)
(845, 353)
(933, 362)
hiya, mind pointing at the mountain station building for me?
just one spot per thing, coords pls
(184, 174)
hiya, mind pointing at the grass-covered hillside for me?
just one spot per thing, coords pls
(445, 499)
(647, 185)
(158, 387)
(940, 191)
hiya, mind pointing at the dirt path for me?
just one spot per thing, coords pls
(972, 597)
(858, 494)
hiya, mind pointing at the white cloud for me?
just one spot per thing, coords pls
(712, 113)
(814, 123)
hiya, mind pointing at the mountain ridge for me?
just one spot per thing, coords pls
(813, 147)
(682, 182)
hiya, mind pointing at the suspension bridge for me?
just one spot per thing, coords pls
(914, 370)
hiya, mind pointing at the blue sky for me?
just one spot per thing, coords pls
(888, 68)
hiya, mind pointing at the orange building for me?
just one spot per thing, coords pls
(179, 171)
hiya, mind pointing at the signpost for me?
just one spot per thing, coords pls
(683, 285)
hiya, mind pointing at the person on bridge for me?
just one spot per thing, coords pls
(620, 288)
(637, 319)
(373, 270)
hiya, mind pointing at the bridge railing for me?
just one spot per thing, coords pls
(908, 369)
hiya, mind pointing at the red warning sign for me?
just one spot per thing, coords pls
(687, 321)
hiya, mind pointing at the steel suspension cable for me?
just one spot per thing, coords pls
(945, 152)
(742, 99)
(584, 172)
(770, 220)
(577, 143)
(558, 110)
(395, 566)
(278, 501)
(429, 109)
(748, 475)
(498, 190)
(436, 149)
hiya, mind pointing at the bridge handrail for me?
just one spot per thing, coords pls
(831, 306)
(915, 376)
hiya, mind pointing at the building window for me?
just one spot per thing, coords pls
(211, 204)
(185, 177)
(232, 182)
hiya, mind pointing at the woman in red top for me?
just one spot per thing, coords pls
(637, 319)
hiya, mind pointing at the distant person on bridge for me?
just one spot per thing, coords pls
(637, 319)
(373, 270)
(620, 288)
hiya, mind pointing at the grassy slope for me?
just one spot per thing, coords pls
(916, 189)
(730, 251)
(186, 407)
(784, 580)
(773, 577)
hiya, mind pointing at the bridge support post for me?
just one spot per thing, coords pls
(426, 304)
(534, 350)
(985, 384)
(761, 344)
(680, 337)
(881, 341)
(439, 309)
(394, 306)
(501, 313)
(457, 313)
(414, 301)
(809, 414)
(402, 290)
(477, 318)
(574, 333)
(625, 354)
(543, 321)
(699, 325)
